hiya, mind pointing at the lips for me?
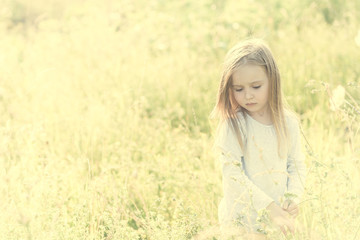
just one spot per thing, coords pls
(250, 104)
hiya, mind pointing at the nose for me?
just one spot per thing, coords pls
(248, 95)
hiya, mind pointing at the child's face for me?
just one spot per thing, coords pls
(250, 87)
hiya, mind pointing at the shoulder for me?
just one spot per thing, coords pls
(226, 125)
(225, 129)
(226, 134)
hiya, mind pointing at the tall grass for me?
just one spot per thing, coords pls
(104, 114)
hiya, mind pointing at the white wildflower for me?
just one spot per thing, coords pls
(337, 98)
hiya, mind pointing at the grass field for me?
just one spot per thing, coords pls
(105, 129)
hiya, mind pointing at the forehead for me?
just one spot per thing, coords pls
(246, 74)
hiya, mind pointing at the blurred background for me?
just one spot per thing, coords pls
(105, 129)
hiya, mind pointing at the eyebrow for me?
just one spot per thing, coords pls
(260, 81)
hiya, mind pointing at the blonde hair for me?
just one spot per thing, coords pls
(256, 52)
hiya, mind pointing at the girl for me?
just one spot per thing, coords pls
(263, 168)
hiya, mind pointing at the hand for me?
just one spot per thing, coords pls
(281, 218)
(291, 207)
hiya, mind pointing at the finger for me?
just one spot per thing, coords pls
(290, 223)
(283, 230)
(285, 204)
(294, 214)
(291, 228)
(294, 211)
(290, 210)
(291, 204)
(292, 207)
(286, 230)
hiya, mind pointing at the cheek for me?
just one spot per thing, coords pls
(265, 94)
(237, 97)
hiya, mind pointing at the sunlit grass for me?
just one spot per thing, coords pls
(104, 114)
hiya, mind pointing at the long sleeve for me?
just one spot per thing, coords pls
(239, 190)
(295, 165)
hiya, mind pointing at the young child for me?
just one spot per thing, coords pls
(259, 143)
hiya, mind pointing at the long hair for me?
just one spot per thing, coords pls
(256, 52)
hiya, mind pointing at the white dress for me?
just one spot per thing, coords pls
(252, 180)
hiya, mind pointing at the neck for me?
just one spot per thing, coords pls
(262, 116)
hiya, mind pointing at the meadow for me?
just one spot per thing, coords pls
(105, 130)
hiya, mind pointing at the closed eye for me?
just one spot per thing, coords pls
(238, 90)
(256, 87)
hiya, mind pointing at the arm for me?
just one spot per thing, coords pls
(238, 188)
(295, 167)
